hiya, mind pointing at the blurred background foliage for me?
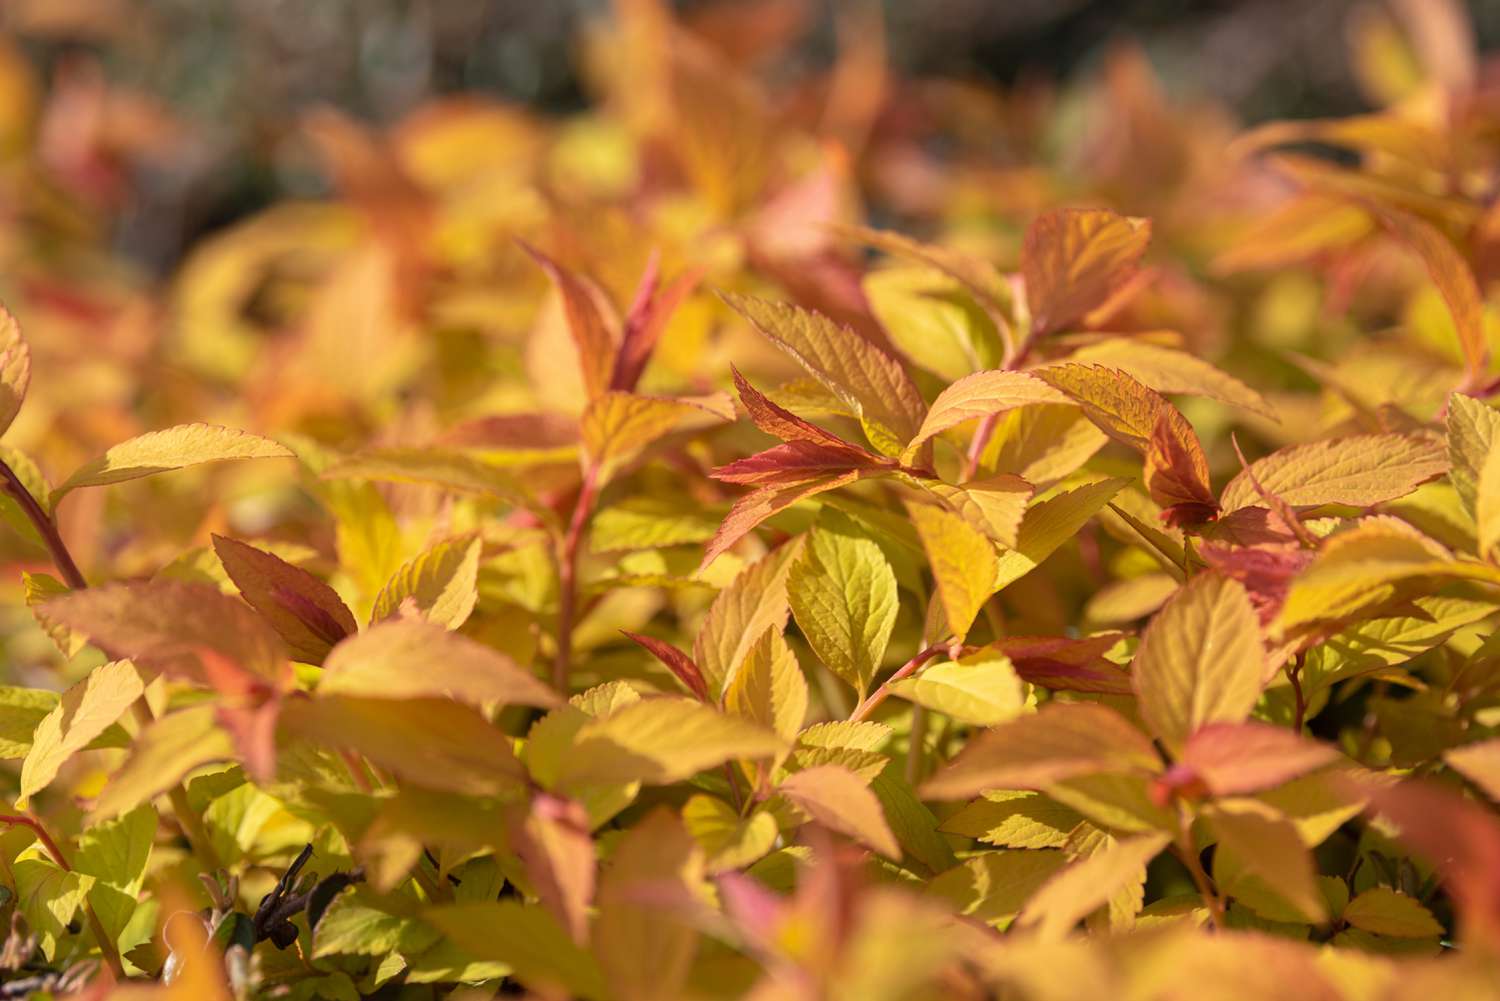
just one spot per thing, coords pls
(230, 80)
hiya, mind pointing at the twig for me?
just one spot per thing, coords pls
(875, 698)
(567, 577)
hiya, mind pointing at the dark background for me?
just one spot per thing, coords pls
(240, 72)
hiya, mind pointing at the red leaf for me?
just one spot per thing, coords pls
(646, 320)
(1265, 571)
(791, 462)
(679, 663)
(1237, 758)
(1063, 664)
(782, 423)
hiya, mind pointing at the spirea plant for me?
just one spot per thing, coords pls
(589, 559)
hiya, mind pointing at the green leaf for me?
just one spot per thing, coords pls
(84, 712)
(1383, 911)
(1487, 505)
(994, 887)
(1260, 847)
(15, 369)
(868, 381)
(354, 926)
(172, 448)
(836, 798)
(161, 756)
(441, 585)
(526, 938)
(36, 484)
(21, 711)
(660, 741)
(307, 613)
(843, 594)
(48, 898)
(982, 689)
(651, 522)
(1051, 521)
(963, 562)
(1015, 819)
(754, 602)
(1200, 660)
(768, 688)
(932, 320)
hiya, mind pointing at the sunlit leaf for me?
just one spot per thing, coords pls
(843, 594)
(163, 451)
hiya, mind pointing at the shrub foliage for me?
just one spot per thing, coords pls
(638, 576)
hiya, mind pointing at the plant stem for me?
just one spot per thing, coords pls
(1187, 854)
(44, 525)
(107, 947)
(187, 819)
(978, 444)
(1294, 675)
(875, 698)
(567, 577)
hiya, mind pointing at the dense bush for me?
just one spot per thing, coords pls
(652, 582)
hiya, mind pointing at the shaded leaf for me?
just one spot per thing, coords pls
(307, 613)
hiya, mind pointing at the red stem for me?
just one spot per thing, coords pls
(44, 526)
(875, 698)
(42, 836)
(567, 577)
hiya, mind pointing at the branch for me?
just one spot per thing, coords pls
(875, 698)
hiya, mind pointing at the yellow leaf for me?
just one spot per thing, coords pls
(1487, 504)
(982, 689)
(163, 753)
(1200, 660)
(1042, 444)
(963, 563)
(835, 798)
(429, 742)
(1384, 911)
(1359, 471)
(1073, 260)
(754, 602)
(413, 660)
(1088, 884)
(1051, 521)
(1357, 568)
(618, 425)
(441, 585)
(1015, 819)
(995, 506)
(1473, 427)
(768, 688)
(85, 711)
(526, 938)
(15, 369)
(172, 448)
(432, 467)
(729, 840)
(980, 395)
(993, 887)
(1260, 846)
(660, 741)
(646, 950)
(1167, 370)
(1479, 763)
(1452, 276)
(1059, 741)
(868, 381)
(933, 320)
(843, 593)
